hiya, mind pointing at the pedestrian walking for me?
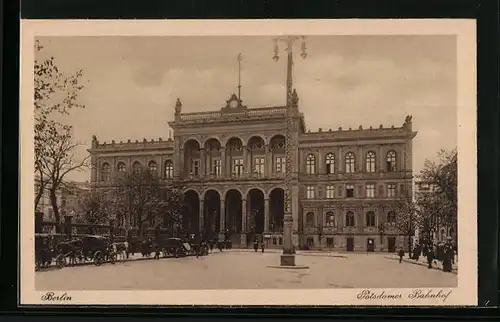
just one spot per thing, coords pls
(262, 246)
(430, 257)
(255, 245)
(157, 251)
(401, 254)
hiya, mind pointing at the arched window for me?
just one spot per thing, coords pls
(310, 164)
(122, 167)
(330, 163)
(391, 161)
(349, 162)
(330, 219)
(309, 220)
(169, 169)
(370, 219)
(105, 172)
(153, 168)
(370, 161)
(136, 168)
(349, 219)
(391, 217)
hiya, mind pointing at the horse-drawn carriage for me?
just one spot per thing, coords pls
(44, 249)
(85, 248)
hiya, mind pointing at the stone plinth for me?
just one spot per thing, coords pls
(287, 261)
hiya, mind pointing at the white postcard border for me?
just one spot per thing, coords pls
(465, 30)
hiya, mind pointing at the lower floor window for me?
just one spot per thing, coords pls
(310, 241)
(329, 242)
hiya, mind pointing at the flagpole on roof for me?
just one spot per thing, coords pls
(240, 58)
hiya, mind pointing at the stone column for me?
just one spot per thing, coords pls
(244, 215)
(223, 161)
(179, 167)
(222, 215)
(201, 223)
(246, 165)
(202, 162)
(266, 215)
(269, 162)
(243, 235)
(93, 173)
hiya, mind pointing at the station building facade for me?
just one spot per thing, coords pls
(231, 165)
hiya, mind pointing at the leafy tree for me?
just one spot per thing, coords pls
(96, 209)
(142, 197)
(440, 207)
(54, 94)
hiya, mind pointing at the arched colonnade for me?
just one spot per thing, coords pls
(233, 211)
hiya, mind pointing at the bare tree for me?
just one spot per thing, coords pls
(54, 94)
(407, 219)
(58, 161)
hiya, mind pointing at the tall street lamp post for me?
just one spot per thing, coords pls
(288, 256)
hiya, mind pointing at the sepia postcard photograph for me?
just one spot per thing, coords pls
(274, 162)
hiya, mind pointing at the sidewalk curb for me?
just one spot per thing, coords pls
(54, 267)
(453, 271)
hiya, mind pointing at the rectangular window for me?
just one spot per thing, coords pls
(195, 167)
(258, 166)
(349, 191)
(237, 167)
(217, 170)
(330, 192)
(280, 165)
(310, 193)
(370, 190)
(391, 190)
(329, 241)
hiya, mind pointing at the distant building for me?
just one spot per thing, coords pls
(231, 162)
(69, 198)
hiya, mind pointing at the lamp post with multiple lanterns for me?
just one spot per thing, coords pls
(288, 257)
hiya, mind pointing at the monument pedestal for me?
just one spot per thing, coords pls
(287, 261)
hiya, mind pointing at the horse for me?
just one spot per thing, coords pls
(121, 250)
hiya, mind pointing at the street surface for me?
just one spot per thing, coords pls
(237, 269)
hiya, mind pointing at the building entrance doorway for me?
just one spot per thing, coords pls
(391, 244)
(350, 244)
(370, 244)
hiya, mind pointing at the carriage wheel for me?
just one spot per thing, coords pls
(112, 257)
(98, 258)
(60, 261)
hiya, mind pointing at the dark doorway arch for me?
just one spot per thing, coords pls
(255, 214)
(211, 213)
(191, 212)
(276, 209)
(233, 202)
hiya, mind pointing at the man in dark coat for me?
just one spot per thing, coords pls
(447, 258)
(430, 257)
(255, 245)
(401, 254)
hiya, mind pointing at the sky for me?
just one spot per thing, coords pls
(131, 83)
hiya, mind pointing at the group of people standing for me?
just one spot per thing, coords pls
(441, 251)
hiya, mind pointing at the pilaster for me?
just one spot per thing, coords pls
(244, 215)
(202, 215)
(266, 215)
(222, 215)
